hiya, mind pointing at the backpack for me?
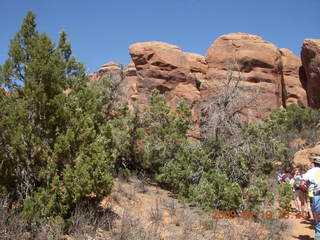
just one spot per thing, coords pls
(300, 184)
(286, 178)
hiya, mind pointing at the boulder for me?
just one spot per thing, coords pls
(301, 158)
(130, 70)
(310, 74)
(260, 65)
(293, 88)
(110, 68)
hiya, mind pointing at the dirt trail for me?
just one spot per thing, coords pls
(301, 229)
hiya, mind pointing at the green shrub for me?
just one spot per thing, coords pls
(186, 169)
(216, 191)
(259, 195)
(55, 128)
(285, 196)
(265, 149)
(163, 132)
(293, 121)
(293, 118)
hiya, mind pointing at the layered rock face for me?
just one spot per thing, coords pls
(270, 75)
(310, 56)
(130, 83)
(260, 65)
(293, 87)
(165, 67)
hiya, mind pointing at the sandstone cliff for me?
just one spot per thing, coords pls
(310, 74)
(271, 72)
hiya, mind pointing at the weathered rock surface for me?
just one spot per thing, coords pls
(260, 64)
(108, 68)
(130, 70)
(310, 56)
(130, 83)
(301, 158)
(270, 75)
(293, 89)
(165, 67)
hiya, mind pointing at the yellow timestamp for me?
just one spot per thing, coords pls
(250, 214)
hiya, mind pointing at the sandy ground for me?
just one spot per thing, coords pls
(143, 200)
(300, 228)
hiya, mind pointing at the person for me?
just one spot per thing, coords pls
(312, 177)
(300, 194)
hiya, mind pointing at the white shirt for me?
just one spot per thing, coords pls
(313, 176)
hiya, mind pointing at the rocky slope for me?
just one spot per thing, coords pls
(274, 77)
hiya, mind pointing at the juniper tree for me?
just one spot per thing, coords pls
(54, 132)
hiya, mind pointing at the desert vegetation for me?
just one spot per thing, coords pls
(66, 141)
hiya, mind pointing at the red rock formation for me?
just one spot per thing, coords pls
(260, 64)
(301, 158)
(130, 83)
(310, 56)
(108, 68)
(165, 67)
(266, 70)
(295, 94)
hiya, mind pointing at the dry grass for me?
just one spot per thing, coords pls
(88, 221)
(155, 214)
(138, 215)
